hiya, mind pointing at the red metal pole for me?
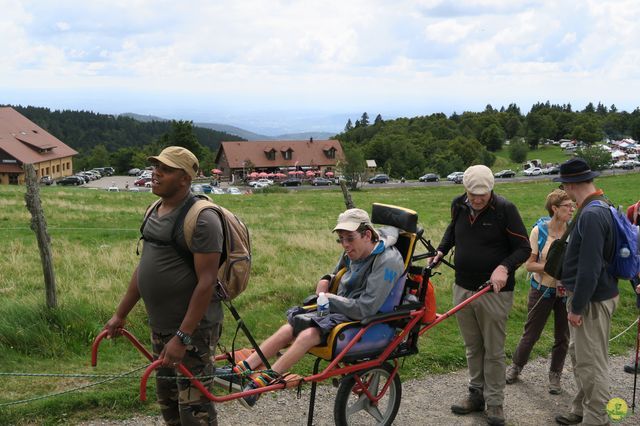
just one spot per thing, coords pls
(455, 309)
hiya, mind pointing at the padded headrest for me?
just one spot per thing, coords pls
(400, 217)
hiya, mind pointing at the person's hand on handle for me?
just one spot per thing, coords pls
(499, 278)
(113, 325)
(434, 261)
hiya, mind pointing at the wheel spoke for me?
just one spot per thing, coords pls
(361, 404)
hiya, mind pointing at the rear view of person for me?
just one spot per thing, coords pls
(545, 294)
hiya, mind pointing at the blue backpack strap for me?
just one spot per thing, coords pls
(543, 232)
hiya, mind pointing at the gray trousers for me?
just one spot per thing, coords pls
(483, 327)
(589, 351)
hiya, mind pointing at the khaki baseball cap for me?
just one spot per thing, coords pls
(478, 180)
(178, 158)
(351, 220)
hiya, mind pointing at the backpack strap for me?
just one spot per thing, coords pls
(543, 234)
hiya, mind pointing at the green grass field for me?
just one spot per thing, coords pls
(94, 236)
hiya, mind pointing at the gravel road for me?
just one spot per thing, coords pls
(424, 402)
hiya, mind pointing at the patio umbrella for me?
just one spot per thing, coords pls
(293, 172)
(253, 174)
(216, 171)
(329, 174)
(270, 175)
(280, 175)
(310, 173)
(299, 172)
(262, 174)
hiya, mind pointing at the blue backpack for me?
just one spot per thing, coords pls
(625, 262)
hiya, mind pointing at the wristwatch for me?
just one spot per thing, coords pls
(184, 337)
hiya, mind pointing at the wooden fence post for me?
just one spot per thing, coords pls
(39, 226)
(346, 194)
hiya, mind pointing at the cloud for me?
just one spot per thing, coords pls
(326, 55)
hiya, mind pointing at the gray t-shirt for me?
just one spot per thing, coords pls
(165, 281)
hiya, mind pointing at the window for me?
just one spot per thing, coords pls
(288, 154)
(330, 153)
(271, 155)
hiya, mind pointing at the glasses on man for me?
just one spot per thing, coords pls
(349, 239)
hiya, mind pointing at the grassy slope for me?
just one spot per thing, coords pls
(94, 237)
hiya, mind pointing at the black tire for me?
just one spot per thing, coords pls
(352, 406)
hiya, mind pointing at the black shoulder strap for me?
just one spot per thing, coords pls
(179, 223)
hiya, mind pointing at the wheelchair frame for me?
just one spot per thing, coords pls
(360, 376)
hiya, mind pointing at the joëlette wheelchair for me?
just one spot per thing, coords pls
(361, 356)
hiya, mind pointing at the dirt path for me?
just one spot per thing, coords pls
(424, 402)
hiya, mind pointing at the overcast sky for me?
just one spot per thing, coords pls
(261, 64)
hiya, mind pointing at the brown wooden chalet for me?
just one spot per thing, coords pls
(24, 142)
(237, 160)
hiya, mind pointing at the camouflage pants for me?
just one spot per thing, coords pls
(181, 403)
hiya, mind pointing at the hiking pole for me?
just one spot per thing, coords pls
(635, 371)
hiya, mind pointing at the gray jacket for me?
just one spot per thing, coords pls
(366, 284)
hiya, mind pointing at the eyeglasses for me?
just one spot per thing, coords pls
(570, 205)
(349, 239)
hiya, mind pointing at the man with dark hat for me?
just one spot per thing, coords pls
(592, 293)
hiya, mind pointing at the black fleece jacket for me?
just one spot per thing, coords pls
(496, 236)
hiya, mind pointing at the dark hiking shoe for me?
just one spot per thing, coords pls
(473, 402)
(228, 378)
(554, 383)
(495, 415)
(568, 419)
(512, 374)
(630, 368)
(250, 400)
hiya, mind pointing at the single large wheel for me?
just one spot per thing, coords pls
(353, 406)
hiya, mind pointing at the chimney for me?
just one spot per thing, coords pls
(311, 139)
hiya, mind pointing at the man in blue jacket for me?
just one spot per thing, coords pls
(592, 294)
(372, 268)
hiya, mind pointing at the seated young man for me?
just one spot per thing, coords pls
(373, 267)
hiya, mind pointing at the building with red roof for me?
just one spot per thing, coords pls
(24, 142)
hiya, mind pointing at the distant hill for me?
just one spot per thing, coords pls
(244, 134)
(233, 130)
(305, 135)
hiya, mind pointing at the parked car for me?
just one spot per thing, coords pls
(233, 191)
(379, 178)
(217, 191)
(291, 182)
(257, 184)
(110, 171)
(70, 180)
(133, 172)
(458, 178)
(142, 181)
(505, 174)
(46, 180)
(429, 177)
(624, 164)
(553, 170)
(319, 181)
(533, 171)
(451, 176)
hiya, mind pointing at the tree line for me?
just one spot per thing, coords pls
(410, 147)
(123, 142)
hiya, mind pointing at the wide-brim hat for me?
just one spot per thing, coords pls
(575, 170)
